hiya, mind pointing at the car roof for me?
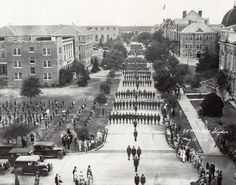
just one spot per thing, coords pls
(28, 158)
(20, 150)
(3, 160)
(44, 143)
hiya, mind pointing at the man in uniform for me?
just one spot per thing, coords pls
(135, 135)
(136, 163)
(128, 152)
(133, 151)
(139, 151)
(135, 124)
(143, 179)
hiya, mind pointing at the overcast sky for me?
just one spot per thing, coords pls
(106, 12)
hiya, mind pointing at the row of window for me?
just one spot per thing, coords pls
(46, 76)
(199, 37)
(45, 51)
(107, 28)
(198, 46)
(46, 63)
(102, 37)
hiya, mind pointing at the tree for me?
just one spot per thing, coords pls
(65, 76)
(82, 133)
(195, 82)
(30, 87)
(157, 51)
(120, 47)
(16, 130)
(208, 65)
(158, 36)
(126, 37)
(223, 82)
(170, 99)
(105, 87)
(145, 38)
(113, 60)
(212, 105)
(101, 99)
(81, 72)
(95, 64)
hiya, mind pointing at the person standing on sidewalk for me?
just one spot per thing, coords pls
(136, 179)
(136, 163)
(158, 119)
(219, 178)
(57, 180)
(135, 124)
(135, 135)
(128, 152)
(139, 151)
(133, 151)
(143, 179)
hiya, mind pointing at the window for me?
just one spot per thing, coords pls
(31, 49)
(114, 28)
(186, 37)
(17, 64)
(186, 54)
(47, 76)
(102, 37)
(32, 70)
(96, 28)
(32, 60)
(200, 46)
(96, 37)
(17, 52)
(206, 37)
(102, 28)
(3, 55)
(108, 36)
(197, 46)
(59, 49)
(46, 51)
(191, 37)
(18, 76)
(190, 45)
(186, 46)
(108, 28)
(47, 64)
(3, 46)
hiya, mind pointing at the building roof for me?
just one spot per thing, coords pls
(20, 150)
(42, 30)
(197, 28)
(28, 158)
(230, 17)
(193, 16)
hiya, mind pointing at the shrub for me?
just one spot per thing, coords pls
(195, 82)
(212, 105)
(101, 99)
(105, 87)
(82, 82)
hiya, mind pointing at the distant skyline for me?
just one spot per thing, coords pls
(106, 12)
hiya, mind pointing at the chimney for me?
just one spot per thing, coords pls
(184, 13)
(200, 13)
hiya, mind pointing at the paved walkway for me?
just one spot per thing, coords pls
(207, 143)
(202, 134)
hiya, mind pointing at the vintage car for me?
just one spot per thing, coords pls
(48, 149)
(16, 152)
(4, 150)
(4, 165)
(31, 165)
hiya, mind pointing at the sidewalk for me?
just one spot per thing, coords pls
(207, 143)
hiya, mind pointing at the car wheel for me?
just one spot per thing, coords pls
(44, 173)
(60, 155)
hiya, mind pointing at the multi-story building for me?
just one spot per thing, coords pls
(195, 39)
(41, 51)
(103, 33)
(227, 53)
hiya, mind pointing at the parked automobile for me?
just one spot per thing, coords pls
(48, 149)
(4, 165)
(16, 152)
(4, 150)
(31, 165)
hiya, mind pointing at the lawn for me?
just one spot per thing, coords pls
(220, 123)
(69, 94)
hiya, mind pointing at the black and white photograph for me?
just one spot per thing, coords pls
(118, 92)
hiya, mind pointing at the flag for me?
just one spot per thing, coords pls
(164, 7)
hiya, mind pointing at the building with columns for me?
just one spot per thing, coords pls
(41, 51)
(103, 33)
(227, 52)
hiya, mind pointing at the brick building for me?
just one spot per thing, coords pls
(195, 39)
(41, 51)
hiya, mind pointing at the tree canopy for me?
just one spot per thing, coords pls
(126, 37)
(113, 60)
(101, 99)
(223, 82)
(157, 51)
(145, 38)
(95, 64)
(30, 87)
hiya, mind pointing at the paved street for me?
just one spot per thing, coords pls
(111, 167)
